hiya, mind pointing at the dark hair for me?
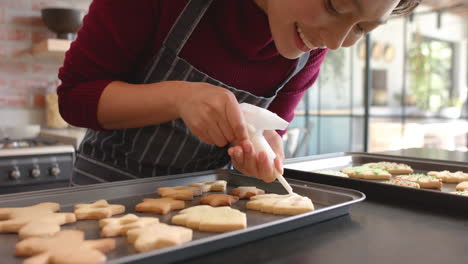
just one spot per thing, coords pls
(405, 7)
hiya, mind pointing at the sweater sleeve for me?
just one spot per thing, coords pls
(289, 97)
(114, 37)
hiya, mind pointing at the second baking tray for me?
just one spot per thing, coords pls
(329, 202)
(308, 169)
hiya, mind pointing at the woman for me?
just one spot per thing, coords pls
(159, 82)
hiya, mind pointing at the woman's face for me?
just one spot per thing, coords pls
(299, 26)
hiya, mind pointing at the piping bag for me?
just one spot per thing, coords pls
(259, 119)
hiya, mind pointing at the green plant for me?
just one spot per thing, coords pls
(429, 72)
(454, 102)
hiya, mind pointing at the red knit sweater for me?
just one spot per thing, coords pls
(232, 43)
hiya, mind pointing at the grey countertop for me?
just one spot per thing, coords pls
(373, 232)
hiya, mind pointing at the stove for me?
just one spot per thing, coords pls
(33, 164)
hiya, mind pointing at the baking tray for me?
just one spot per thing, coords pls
(329, 202)
(306, 169)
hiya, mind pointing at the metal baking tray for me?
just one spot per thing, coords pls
(307, 169)
(329, 202)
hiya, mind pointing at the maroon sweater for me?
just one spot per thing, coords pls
(232, 43)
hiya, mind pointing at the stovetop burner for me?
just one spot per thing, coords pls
(8, 143)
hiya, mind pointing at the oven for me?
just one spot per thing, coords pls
(29, 164)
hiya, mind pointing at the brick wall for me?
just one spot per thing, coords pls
(25, 78)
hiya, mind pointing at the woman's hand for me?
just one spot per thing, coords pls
(212, 113)
(252, 163)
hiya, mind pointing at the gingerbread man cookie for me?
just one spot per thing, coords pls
(158, 235)
(159, 206)
(245, 192)
(180, 192)
(449, 177)
(119, 226)
(97, 210)
(219, 199)
(65, 247)
(211, 186)
(37, 220)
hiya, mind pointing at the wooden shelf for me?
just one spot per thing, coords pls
(51, 48)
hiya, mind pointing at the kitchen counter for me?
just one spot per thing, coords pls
(69, 136)
(373, 232)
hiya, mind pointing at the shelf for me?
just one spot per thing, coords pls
(51, 48)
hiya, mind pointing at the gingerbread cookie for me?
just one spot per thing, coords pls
(119, 226)
(449, 177)
(219, 199)
(333, 173)
(159, 206)
(65, 247)
(157, 236)
(245, 192)
(367, 173)
(211, 219)
(424, 181)
(404, 183)
(97, 210)
(289, 204)
(392, 167)
(462, 186)
(37, 220)
(180, 192)
(211, 186)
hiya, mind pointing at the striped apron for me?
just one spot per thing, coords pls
(167, 148)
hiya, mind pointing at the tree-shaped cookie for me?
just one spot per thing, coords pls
(65, 247)
(119, 226)
(245, 192)
(219, 199)
(211, 186)
(424, 181)
(37, 220)
(159, 206)
(98, 210)
(179, 192)
(289, 204)
(211, 219)
(158, 235)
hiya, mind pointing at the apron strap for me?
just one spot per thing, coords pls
(186, 23)
(178, 34)
(302, 61)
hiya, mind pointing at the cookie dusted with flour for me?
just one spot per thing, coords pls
(180, 192)
(159, 206)
(245, 192)
(211, 186)
(392, 167)
(449, 177)
(158, 235)
(211, 219)
(218, 199)
(65, 247)
(424, 181)
(462, 186)
(97, 210)
(462, 193)
(119, 226)
(367, 173)
(37, 220)
(280, 204)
